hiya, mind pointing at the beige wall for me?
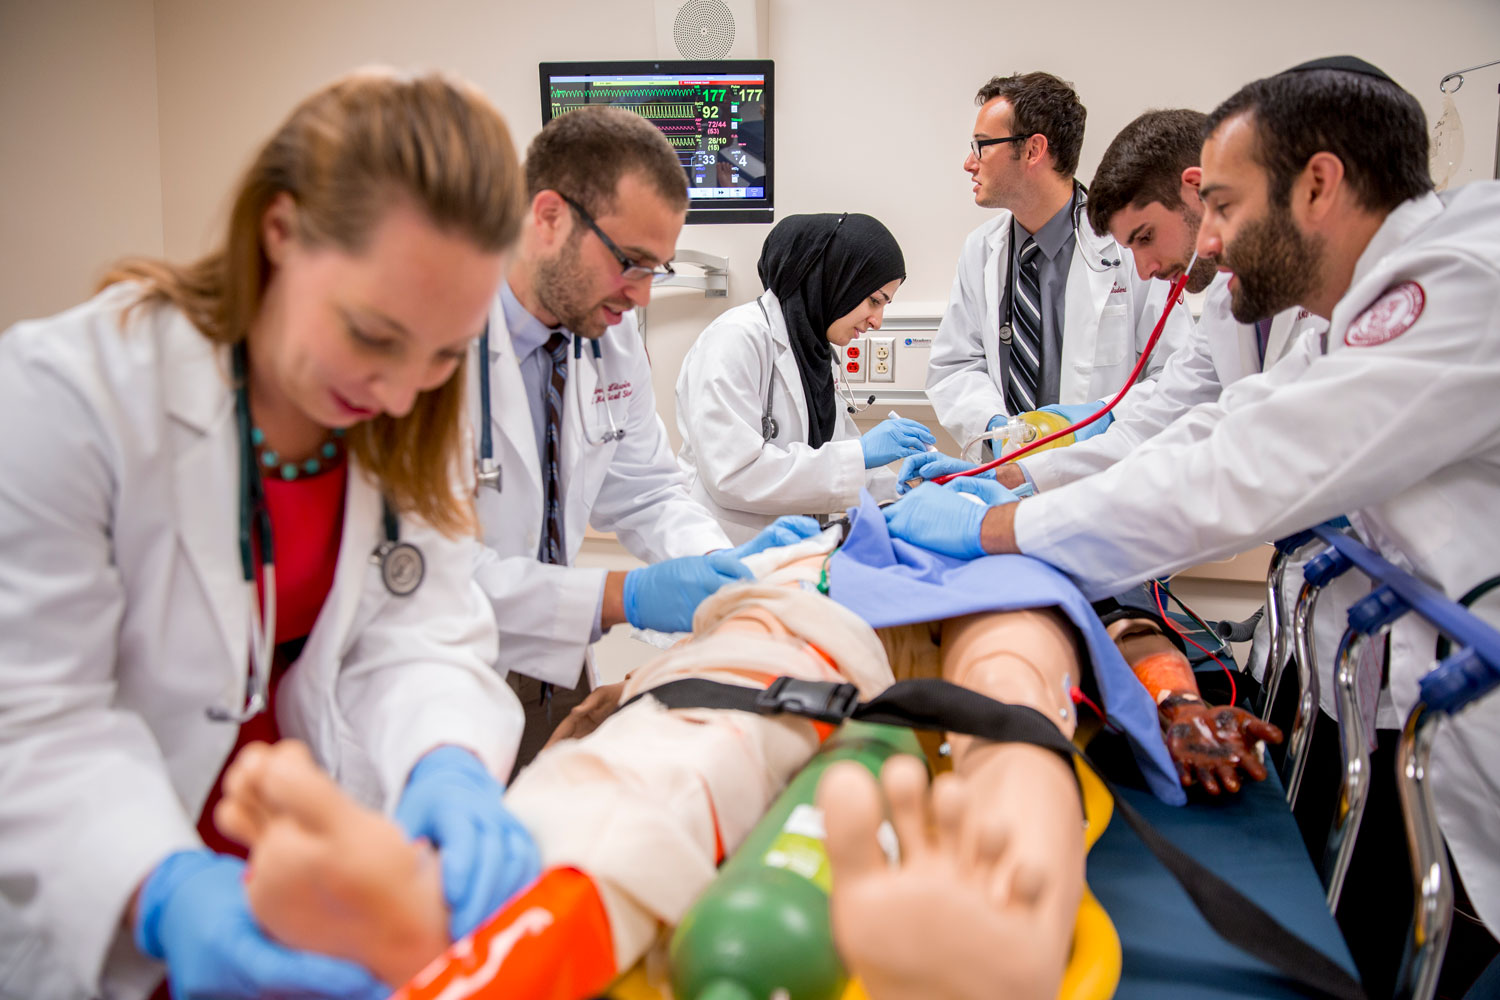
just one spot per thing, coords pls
(875, 99)
(873, 112)
(80, 172)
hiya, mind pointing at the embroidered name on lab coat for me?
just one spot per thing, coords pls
(617, 390)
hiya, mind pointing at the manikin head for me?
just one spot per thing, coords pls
(1039, 122)
(1145, 194)
(608, 197)
(1299, 171)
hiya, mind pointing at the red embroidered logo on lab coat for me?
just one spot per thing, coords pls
(1391, 316)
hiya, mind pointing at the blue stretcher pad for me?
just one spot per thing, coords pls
(1170, 952)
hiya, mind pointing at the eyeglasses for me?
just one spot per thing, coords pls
(630, 270)
(976, 146)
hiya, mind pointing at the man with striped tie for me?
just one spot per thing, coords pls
(1145, 194)
(565, 414)
(1043, 311)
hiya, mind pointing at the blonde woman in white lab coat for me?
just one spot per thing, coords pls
(321, 345)
(765, 428)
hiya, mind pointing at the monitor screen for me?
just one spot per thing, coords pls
(717, 115)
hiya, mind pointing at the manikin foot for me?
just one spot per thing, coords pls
(963, 916)
(326, 874)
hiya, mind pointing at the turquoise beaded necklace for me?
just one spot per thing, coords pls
(327, 458)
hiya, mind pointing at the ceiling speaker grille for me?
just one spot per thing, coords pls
(704, 29)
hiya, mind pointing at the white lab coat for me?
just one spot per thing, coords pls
(1109, 313)
(1403, 435)
(743, 479)
(1220, 351)
(123, 616)
(548, 615)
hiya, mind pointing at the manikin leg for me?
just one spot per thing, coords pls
(984, 900)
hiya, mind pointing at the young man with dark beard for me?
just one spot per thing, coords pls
(1316, 191)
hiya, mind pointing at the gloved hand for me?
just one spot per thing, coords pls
(938, 518)
(193, 914)
(487, 856)
(664, 595)
(1211, 744)
(989, 490)
(1074, 412)
(782, 531)
(998, 420)
(930, 465)
(893, 438)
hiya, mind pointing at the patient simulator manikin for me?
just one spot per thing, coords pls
(632, 818)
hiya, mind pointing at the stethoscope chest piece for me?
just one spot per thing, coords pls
(1006, 333)
(401, 567)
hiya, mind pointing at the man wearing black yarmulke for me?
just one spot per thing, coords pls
(1316, 192)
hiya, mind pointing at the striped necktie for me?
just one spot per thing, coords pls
(551, 549)
(1025, 370)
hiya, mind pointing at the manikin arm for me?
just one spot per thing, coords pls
(1211, 745)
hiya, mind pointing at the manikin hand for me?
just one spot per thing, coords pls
(588, 714)
(1212, 744)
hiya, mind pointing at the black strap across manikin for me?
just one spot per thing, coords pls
(937, 704)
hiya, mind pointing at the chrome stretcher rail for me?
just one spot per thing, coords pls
(1458, 679)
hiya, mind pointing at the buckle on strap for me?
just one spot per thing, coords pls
(824, 701)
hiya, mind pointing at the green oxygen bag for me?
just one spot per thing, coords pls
(761, 929)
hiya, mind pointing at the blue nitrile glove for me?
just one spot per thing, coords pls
(487, 856)
(893, 438)
(988, 490)
(1074, 412)
(930, 465)
(998, 420)
(938, 518)
(782, 531)
(193, 914)
(663, 596)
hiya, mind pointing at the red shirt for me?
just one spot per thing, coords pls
(307, 521)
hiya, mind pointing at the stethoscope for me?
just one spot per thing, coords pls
(486, 471)
(769, 428)
(614, 433)
(1007, 332)
(401, 564)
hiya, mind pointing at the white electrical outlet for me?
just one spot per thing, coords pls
(882, 360)
(855, 360)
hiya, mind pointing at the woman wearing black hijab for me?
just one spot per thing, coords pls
(765, 430)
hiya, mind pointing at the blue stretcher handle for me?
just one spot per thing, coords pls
(1291, 543)
(1467, 674)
